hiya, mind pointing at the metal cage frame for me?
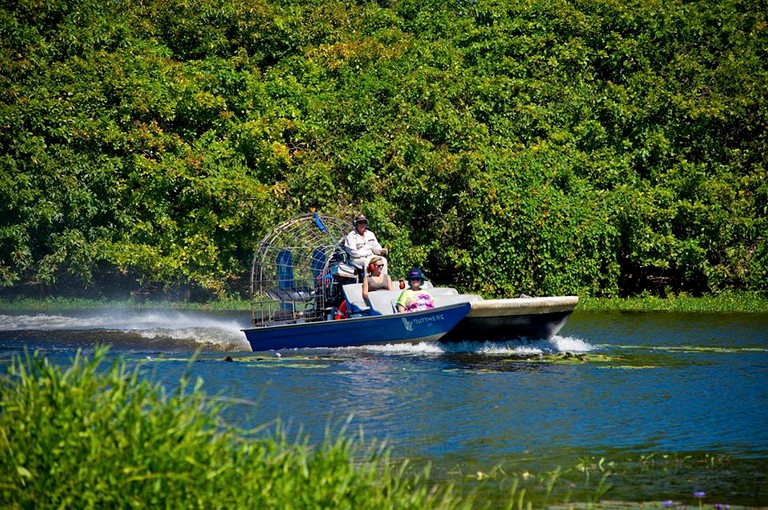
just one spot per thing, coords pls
(295, 270)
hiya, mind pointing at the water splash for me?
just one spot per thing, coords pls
(556, 345)
(139, 329)
(44, 321)
(572, 344)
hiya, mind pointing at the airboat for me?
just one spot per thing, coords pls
(305, 293)
(300, 278)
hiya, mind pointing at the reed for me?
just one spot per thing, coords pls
(97, 436)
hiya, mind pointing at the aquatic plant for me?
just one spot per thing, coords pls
(92, 436)
(552, 488)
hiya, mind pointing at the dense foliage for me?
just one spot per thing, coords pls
(595, 147)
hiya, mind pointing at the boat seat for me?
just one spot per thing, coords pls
(443, 291)
(438, 291)
(383, 301)
(353, 293)
(345, 271)
(452, 299)
(292, 294)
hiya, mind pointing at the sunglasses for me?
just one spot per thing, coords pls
(379, 265)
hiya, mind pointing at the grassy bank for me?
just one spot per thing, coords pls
(90, 436)
(724, 303)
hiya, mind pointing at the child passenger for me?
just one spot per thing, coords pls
(414, 298)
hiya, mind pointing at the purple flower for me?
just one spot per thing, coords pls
(699, 494)
(668, 503)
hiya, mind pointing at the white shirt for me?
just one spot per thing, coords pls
(361, 246)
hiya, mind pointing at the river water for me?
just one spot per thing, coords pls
(670, 404)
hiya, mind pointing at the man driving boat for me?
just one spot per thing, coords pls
(361, 245)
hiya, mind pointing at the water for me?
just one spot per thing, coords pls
(678, 402)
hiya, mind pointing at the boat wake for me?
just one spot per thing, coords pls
(523, 348)
(153, 330)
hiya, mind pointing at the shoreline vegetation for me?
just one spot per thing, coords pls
(724, 303)
(555, 147)
(734, 302)
(102, 434)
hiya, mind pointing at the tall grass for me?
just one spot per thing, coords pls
(732, 302)
(97, 436)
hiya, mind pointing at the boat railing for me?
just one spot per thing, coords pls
(278, 306)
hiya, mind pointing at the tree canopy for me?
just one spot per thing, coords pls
(598, 147)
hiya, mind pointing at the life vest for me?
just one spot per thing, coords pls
(341, 311)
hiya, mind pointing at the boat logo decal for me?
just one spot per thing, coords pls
(409, 324)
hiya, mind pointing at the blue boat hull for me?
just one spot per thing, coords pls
(425, 326)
